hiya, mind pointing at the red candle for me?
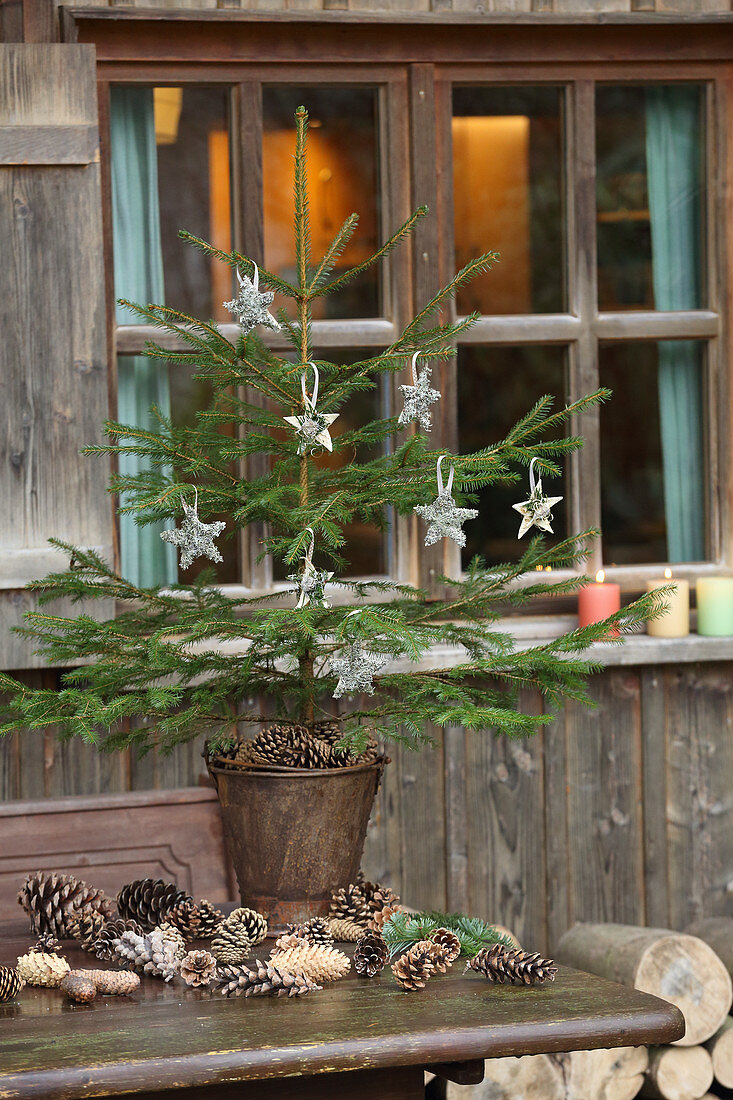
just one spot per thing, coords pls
(597, 601)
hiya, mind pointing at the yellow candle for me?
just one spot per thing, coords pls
(675, 622)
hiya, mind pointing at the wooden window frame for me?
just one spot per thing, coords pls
(423, 56)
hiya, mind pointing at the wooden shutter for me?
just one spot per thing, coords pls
(53, 360)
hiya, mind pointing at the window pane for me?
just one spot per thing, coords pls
(652, 465)
(507, 193)
(343, 179)
(192, 139)
(650, 169)
(496, 387)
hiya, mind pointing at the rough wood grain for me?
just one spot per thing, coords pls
(720, 1049)
(654, 792)
(677, 1073)
(580, 1075)
(718, 934)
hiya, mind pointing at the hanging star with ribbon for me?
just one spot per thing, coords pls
(418, 398)
(311, 582)
(193, 538)
(312, 427)
(355, 669)
(536, 510)
(443, 516)
(251, 304)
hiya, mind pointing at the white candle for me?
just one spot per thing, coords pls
(675, 622)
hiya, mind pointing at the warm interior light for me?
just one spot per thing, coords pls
(167, 104)
(667, 574)
(548, 569)
(600, 576)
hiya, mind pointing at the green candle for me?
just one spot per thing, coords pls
(715, 605)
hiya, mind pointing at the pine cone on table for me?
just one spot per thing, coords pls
(259, 979)
(52, 901)
(210, 919)
(500, 964)
(11, 983)
(242, 930)
(39, 968)
(86, 928)
(47, 944)
(185, 917)
(448, 941)
(345, 931)
(370, 955)
(439, 955)
(198, 968)
(315, 930)
(173, 935)
(288, 940)
(150, 952)
(350, 904)
(379, 919)
(119, 983)
(413, 969)
(104, 944)
(149, 900)
(320, 964)
(79, 990)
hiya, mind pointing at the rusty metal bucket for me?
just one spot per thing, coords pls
(294, 836)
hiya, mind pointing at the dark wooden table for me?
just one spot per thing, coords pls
(354, 1039)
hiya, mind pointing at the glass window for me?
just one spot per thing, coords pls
(343, 179)
(650, 142)
(507, 193)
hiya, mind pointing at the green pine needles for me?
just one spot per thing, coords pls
(403, 930)
(172, 661)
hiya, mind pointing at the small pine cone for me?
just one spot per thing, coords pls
(185, 917)
(258, 979)
(48, 944)
(345, 931)
(242, 930)
(52, 901)
(38, 968)
(315, 931)
(210, 919)
(349, 903)
(370, 955)
(438, 954)
(198, 968)
(280, 745)
(381, 897)
(448, 941)
(174, 935)
(413, 969)
(11, 983)
(120, 983)
(328, 731)
(320, 964)
(112, 930)
(149, 900)
(288, 940)
(379, 919)
(150, 952)
(79, 990)
(86, 928)
(500, 964)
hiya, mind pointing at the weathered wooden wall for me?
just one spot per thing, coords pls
(620, 813)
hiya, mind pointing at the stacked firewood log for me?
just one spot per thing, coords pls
(691, 969)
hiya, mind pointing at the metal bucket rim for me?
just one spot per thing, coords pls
(314, 773)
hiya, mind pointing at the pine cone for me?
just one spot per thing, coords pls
(381, 898)
(371, 955)
(413, 969)
(242, 930)
(448, 941)
(320, 964)
(379, 919)
(173, 935)
(119, 983)
(288, 940)
(260, 979)
(38, 968)
(52, 901)
(149, 900)
(11, 983)
(150, 953)
(79, 990)
(112, 930)
(350, 904)
(439, 955)
(210, 919)
(47, 944)
(326, 730)
(86, 928)
(198, 968)
(185, 917)
(345, 931)
(315, 931)
(501, 964)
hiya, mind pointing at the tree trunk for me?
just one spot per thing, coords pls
(718, 934)
(676, 1073)
(534, 1077)
(583, 1075)
(720, 1048)
(677, 967)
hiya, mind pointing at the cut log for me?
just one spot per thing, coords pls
(534, 1077)
(583, 1075)
(605, 1074)
(677, 967)
(718, 934)
(678, 1073)
(720, 1048)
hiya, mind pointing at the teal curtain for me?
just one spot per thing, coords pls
(673, 155)
(138, 273)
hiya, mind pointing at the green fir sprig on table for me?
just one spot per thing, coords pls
(402, 930)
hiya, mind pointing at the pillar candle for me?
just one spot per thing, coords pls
(597, 601)
(675, 622)
(715, 605)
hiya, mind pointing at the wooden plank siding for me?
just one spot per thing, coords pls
(619, 813)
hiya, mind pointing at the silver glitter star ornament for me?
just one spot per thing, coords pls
(312, 427)
(355, 669)
(193, 538)
(418, 398)
(311, 582)
(251, 304)
(443, 517)
(536, 510)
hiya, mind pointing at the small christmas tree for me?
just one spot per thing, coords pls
(161, 658)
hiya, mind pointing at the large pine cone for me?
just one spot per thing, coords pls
(315, 930)
(370, 955)
(149, 900)
(413, 969)
(320, 964)
(345, 931)
(11, 983)
(260, 979)
(38, 968)
(350, 904)
(501, 964)
(104, 945)
(150, 952)
(52, 901)
(119, 983)
(242, 930)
